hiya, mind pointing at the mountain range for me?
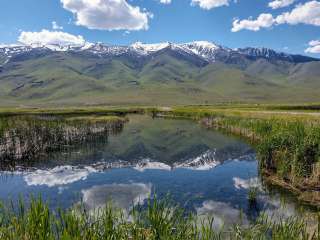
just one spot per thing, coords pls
(150, 74)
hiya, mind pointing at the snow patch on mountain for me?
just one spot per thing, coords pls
(208, 51)
(146, 49)
(204, 49)
(102, 49)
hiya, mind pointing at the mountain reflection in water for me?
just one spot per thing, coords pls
(204, 171)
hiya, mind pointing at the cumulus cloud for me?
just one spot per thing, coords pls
(280, 3)
(265, 20)
(314, 47)
(308, 13)
(46, 37)
(209, 4)
(108, 14)
(55, 26)
(165, 1)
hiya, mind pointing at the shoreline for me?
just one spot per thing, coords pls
(308, 192)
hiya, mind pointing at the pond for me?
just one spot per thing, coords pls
(204, 171)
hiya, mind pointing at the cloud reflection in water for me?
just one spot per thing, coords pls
(121, 195)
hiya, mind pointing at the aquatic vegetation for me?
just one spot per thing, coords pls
(158, 220)
(25, 137)
(288, 147)
(252, 195)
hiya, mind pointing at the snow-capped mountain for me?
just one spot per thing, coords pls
(272, 54)
(7, 51)
(162, 73)
(146, 49)
(204, 50)
(102, 49)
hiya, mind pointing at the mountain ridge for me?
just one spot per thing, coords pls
(199, 72)
(204, 49)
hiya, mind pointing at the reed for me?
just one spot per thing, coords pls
(23, 138)
(157, 221)
(288, 147)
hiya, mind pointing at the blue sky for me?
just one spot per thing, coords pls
(290, 26)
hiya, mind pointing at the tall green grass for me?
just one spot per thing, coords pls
(158, 221)
(25, 137)
(287, 147)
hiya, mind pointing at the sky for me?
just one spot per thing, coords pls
(291, 26)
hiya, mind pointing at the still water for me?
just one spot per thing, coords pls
(203, 170)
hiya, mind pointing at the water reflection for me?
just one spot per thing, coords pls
(277, 210)
(240, 183)
(121, 195)
(148, 164)
(205, 171)
(223, 214)
(61, 175)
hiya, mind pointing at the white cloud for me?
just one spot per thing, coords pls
(165, 1)
(280, 3)
(58, 176)
(107, 14)
(308, 13)
(55, 26)
(209, 4)
(314, 47)
(46, 37)
(265, 20)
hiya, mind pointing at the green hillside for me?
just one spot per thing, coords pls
(166, 78)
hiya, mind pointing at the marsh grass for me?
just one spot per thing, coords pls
(287, 145)
(158, 221)
(252, 195)
(25, 137)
